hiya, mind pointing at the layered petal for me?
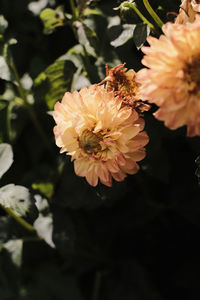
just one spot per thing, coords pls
(172, 80)
(102, 136)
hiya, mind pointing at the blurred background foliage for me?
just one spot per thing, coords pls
(136, 240)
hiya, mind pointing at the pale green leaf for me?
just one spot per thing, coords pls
(36, 6)
(126, 34)
(9, 93)
(14, 248)
(6, 158)
(5, 72)
(26, 81)
(44, 223)
(44, 228)
(17, 198)
(3, 24)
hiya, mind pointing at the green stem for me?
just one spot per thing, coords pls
(134, 7)
(8, 120)
(153, 13)
(74, 10)
(30, 109)
(21, 221)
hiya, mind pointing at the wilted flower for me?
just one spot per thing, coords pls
(188, 11)
(103, 139)
(173, 78)
(123, 83)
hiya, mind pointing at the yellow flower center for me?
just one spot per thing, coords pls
(192, 76)
(89, 142)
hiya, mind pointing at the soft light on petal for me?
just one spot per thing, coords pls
(102, 136)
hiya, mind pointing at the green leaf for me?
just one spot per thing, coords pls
(75, 55)
(9, 93)
(14, 248)
(44, 223)
(5, 72)
(54, 82)
(79, 80)
(36, 6)
(26, 81)
(126, 34)
(3, 24)
(6, 158)
(17, 198)
(140, 34)
(44, 228)
(87, 37)
(93, 11)
(51, 19)
(46, 188)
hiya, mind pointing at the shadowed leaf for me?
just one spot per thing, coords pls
(6, 158)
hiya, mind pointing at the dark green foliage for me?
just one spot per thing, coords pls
(140, 34)
(51, 84)
(137, 240)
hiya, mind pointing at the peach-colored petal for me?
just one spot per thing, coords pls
(102, 137)
(92, 177)
(172, 78)
(119, 176)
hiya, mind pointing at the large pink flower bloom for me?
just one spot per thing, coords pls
(103, 139)
(173, 78)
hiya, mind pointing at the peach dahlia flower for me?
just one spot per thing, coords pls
(188, 10)
(103, 139)
(172, 81)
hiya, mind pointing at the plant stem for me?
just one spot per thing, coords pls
(20, 220)
(134, 7)
(8, 120)
(153, 13)
(74, 10)
(30, 109)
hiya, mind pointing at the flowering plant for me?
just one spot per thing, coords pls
(99, 149)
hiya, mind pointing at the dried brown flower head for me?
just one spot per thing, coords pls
(124, 85)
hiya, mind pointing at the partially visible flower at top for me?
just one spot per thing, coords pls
(103, 139)
(173, 78)
(188, 10)
(123, 83)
